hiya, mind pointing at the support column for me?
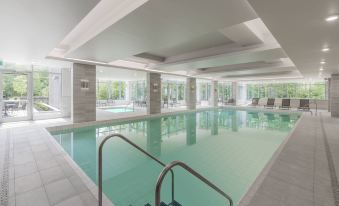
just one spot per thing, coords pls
(334, 95)
(66, 93)
(83, 93)
(153, 93)
(191, 93)
(214, 94)
(328, 94)
(235, 92)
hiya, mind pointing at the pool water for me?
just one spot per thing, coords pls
(119, 109)
(228, 147)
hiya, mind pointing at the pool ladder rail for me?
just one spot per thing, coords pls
(167, 168)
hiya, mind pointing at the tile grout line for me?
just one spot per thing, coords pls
(334, 180)
(5, 174)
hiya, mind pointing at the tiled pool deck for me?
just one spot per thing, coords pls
(40, 173)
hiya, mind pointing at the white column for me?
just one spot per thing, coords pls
(214, 94)
(153, 93)
(191, 93)
(235, 92)
(328, 94)
(66, 93)
(334, 95)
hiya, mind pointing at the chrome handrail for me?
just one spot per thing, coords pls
(134, 145)
(194, 173)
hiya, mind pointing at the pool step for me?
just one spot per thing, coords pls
(174, 203)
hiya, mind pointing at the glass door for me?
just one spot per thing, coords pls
(14, 96)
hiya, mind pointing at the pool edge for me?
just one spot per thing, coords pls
(252, 189)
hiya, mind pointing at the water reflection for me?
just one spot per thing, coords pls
(155, 131)
(196, 138)
(191, 128)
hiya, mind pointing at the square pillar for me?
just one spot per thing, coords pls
(328, 94)
(153, 93)
(191, 93)
(83, 93)
(235, 92)
(334, 95)
(214, 94)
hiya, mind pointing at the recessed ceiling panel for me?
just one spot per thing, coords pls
(162, 24)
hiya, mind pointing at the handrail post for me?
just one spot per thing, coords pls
(194, 173)
(135, 146)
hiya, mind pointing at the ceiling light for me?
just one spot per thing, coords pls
(322, 62)
(332, 18)
(321, 69)
(325, 49)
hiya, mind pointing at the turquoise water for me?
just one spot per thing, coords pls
(228, 147)
(119, 110)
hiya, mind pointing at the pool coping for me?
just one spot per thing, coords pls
(253, 188)
(89, 183)
(247, 196)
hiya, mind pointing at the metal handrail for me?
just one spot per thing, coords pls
(194, 173)
(134, 145)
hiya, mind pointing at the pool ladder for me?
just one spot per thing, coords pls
(167, 168)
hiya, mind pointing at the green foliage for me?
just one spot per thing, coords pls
(20, 85)
(286, 90)
(224, 91)
(40, 84)
(41, 107)
(111, 90)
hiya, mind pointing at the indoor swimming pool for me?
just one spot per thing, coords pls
(228, 147)
(119, 109)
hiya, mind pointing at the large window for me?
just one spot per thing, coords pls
(293, 90)
(47, 86)
(33, 92)
(138, 90)
(173, 90)
(111, 90)
(204, 89)
(224, 91)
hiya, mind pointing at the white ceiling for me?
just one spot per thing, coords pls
(31, 29)
(109, 73)
(302, 31)
(217, 39)
(162, 24)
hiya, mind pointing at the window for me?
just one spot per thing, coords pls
(47, 87)
(111, 90)
(204, 91)
(138, 90)
(224, 91)
(293, 90)
(173, 90)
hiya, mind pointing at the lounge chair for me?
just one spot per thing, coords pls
(270, 103)
(255, 102)
(285, 104)
(304, 105)
(230, 102)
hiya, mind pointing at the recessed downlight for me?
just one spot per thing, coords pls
(322, 62)
(321, 69)
(332, 18)
(326, 49)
